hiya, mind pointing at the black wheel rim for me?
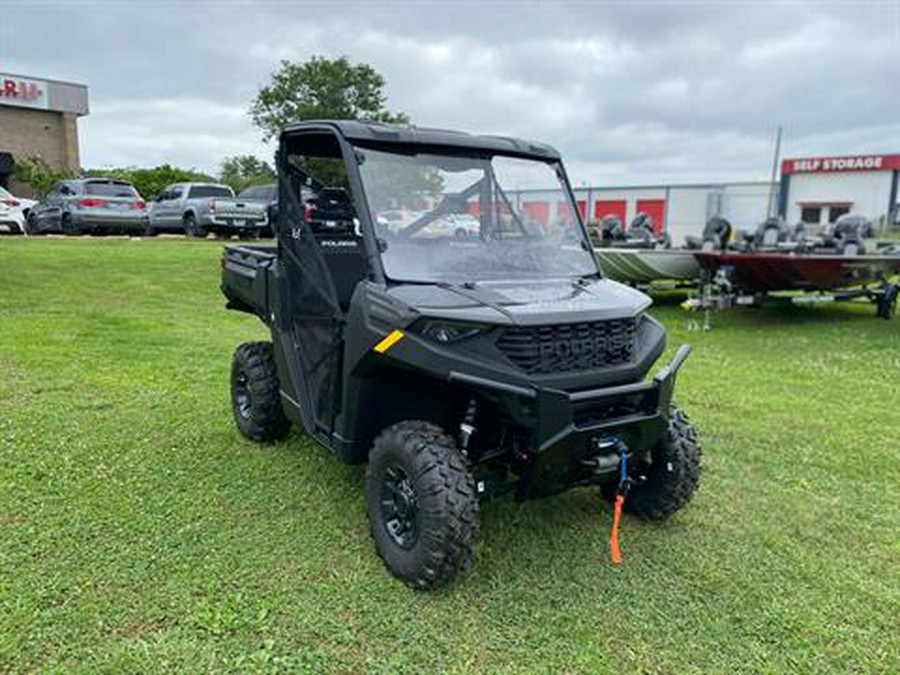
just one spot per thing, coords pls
(399, 507)
(242, 400)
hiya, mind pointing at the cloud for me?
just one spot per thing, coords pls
(630, 93)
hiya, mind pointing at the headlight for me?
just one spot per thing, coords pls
(447, 331)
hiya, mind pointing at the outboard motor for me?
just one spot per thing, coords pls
(717, 232)
(642, 227)
(849, 232)
(770, 233)
(611, 228)
(716, 235)
(641, 232)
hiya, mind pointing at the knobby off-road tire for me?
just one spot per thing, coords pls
(669, 482)
(255, 398)
(416, 463)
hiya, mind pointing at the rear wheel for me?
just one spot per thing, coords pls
(887, 303)
(255, 393)
(31, 224)
(422, 505)
(191, 228)
(66, 225)
(667, 483)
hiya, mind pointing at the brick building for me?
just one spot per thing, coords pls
(39, 118)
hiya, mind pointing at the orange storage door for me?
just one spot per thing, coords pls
(605, 207)
(539, 211)
(656, 209)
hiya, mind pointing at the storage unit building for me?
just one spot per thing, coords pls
(818, 190)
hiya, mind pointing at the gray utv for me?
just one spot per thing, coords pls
(435, 317)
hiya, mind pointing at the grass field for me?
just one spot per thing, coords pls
(140, 533)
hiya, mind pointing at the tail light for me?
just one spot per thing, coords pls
(139, 205)
(90, 202)
(9, 201)
(308, 211)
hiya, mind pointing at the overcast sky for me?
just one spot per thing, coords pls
(630, 92)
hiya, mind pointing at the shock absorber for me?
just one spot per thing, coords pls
(467, 426)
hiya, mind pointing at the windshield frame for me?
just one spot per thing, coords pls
(367, 218)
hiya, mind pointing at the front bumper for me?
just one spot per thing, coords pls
(577, 436)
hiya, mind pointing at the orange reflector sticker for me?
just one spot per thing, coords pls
(393, 338)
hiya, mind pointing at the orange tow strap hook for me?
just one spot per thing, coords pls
(614, 553)
(624, 483)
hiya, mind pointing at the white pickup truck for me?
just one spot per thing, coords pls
(200, 208)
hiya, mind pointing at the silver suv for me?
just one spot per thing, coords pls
(89, 205)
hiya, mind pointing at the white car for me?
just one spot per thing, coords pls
(13, 212)
(459, 225)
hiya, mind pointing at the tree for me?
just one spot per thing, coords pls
(149, 182)
(240, 171)
(38, 174)
(321, 88)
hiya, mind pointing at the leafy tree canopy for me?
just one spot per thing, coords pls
(35, 172)
(151, 181)
(242, 171)
(321, 88)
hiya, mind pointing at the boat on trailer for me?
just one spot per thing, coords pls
(644, 266)
(640, 256)
(779, 266)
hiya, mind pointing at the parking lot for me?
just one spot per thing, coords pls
(140, 532)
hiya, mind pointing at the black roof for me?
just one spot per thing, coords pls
(378, 132)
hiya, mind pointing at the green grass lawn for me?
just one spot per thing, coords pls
(140, 533)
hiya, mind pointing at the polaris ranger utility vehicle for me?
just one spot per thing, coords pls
(457, 368)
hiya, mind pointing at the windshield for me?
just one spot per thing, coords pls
(456, 219)
(198, 191)
(110, 189)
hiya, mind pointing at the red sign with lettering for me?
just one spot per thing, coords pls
(840, 164)
(21, 90)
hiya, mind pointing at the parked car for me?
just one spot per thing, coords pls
(89, 205)
(263, 194)
(459, 225)
(199, 208)
(13, 212)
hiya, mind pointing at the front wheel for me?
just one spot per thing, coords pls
(255, 393)
(666, 483)
(422, 504)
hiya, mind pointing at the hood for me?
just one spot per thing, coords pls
(525, 303)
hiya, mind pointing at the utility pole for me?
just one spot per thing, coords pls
(774, 173)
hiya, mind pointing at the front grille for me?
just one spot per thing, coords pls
(540, 350)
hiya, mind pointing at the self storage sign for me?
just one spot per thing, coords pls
(22, 92)
(839, 164)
